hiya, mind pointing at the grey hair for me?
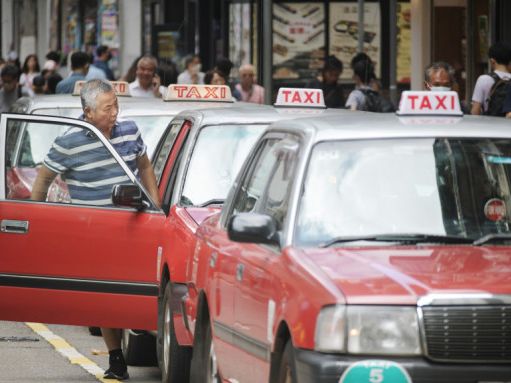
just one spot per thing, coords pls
(148, 59)
(91, 90)
(439, 65)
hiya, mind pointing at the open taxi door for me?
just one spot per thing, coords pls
(72, 259)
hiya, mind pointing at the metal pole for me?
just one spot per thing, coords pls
(360, 26)
(393, 51)
(470, 53)
(267, 52)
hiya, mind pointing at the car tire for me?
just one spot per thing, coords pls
(204, 365)
(174, 360)
(138, 348)
(95, 331)
(287, 369)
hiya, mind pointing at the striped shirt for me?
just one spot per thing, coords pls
(88, 168)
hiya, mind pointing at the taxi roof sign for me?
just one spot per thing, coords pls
(428, 103)
(300, 97)
(121, 88)
(189, 92)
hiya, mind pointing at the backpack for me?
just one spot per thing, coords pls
(497, 95)
(375, 102)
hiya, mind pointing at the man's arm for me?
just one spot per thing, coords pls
(148, 178)
(42, 182)
(476, 108)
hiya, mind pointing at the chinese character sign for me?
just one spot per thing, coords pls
(298, 40)
(344, 34)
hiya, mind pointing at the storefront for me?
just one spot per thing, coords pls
(303, 33)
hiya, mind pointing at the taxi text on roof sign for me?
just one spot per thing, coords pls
(211, 93)
(121, 88)
(427, 103)
(292, 97)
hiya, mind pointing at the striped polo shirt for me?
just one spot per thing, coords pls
(88, 168)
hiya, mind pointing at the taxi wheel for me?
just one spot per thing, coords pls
(204, 364)
(138, 348)
(287, 370)
(174, 360)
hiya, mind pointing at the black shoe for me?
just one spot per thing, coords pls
(109, 374)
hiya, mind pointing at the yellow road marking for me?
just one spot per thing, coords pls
(69, 352)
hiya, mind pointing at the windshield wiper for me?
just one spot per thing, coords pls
(402, 239)
(214, 201)
(491, 238)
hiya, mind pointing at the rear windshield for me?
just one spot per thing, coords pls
(151, 128)
(60, 112)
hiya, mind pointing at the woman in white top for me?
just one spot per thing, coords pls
(192, 74)
(30, 70)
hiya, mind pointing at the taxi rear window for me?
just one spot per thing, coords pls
(60, 112)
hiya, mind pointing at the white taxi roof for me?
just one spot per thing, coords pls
(139, 106)
(366, 125)
(244, 113)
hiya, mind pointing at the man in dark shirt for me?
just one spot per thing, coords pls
(103, 56)
(332, 91)
(11, 89)
(79, 67)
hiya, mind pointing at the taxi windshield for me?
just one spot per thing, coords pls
(61, 112)
(432, 187)
(216, 159)
(151, 128)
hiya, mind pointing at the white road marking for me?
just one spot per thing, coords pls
(69, 352)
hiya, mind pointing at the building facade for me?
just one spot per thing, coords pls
(287, 45)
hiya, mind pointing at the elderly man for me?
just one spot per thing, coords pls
(249, 90)
(147, 82)
(89, 185)
(439, 77)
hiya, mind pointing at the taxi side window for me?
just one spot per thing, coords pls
(164, 148)
(61, 164)
(252, 186)
(276, 199)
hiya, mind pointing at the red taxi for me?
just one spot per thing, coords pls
(213, 145)
(114, 266)
(372, 248)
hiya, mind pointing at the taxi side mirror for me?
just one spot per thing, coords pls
(253, 228)
(129, 196)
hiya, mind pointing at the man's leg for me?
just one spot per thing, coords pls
(118, 368)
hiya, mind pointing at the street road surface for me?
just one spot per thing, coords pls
(50, 353)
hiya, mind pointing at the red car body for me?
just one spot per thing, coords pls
(261, 301)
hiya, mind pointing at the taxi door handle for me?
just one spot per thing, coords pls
(239, 271)
(12, 226)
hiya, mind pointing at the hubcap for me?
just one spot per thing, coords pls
(166, 337)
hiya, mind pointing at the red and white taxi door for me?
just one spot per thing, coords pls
(265, 190)
(63, 260)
